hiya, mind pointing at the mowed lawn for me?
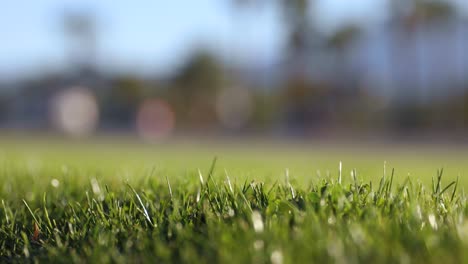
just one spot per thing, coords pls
(127, 159)
(120, 200)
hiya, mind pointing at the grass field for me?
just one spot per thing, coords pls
(121, 201)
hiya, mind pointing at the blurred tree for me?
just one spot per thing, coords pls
(195, 86)
(339, 42)
(341, 38)
(431, 10)
(80, 33)
(245, 3)
(128, 88)
(296, 17)
(120, 103)
(417, 15)
(304, 103)
(350, 92)
(307, 105)
(413, 12)
(202, 73)
(4, 105)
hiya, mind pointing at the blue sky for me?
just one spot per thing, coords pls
(154, 35)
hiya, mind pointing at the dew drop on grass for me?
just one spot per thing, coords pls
(96, 189)
(55, 183)
(231, 212)
(257, 221)
(198, 195)
(432, 221)
(418, 212)
(258, 244)
(276, 257)
(462, 230)
(322, 202)
(95, 186)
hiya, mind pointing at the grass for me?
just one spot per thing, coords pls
(174, 203)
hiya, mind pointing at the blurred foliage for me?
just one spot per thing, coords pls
(430, 10)
(194, 89)
(298, 102)
(122, 100)
(343, 37)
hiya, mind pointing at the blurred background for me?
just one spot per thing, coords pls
(279, 68)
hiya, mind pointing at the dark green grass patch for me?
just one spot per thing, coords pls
(79, 214)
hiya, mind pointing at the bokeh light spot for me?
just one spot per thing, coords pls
(75, 111)
(155, 120)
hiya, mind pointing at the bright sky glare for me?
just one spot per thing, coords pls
(154, 35)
